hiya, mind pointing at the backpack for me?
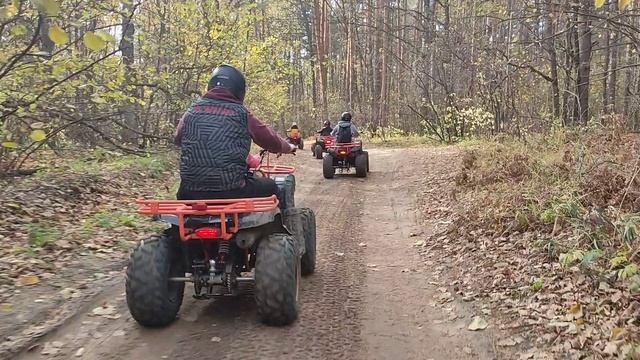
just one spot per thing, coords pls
(344, 134)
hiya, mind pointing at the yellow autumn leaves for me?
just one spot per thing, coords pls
(622, 4)
(57, 35)
(49, 7)
(36, 135)
(92, 40)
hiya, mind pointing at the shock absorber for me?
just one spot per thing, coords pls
(223, 251)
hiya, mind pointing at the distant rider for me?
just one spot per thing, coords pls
(345, 131)
(326, 129)
(293, 131)
(215, 136)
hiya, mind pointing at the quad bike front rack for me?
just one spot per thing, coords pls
(223, 208)
(266, 169)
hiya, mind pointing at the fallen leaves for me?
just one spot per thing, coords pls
(69, 293)
(420, 243)
(563, 312)
(27, 280)
(478, 323)
(510, 341)
(52, 348)
(107, 311)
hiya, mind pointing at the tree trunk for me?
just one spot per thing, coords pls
(584, 68)
(128, 58)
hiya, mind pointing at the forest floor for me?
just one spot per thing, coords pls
(403, 271)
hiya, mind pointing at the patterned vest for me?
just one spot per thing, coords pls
(215, 145)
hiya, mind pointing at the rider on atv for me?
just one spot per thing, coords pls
(215, 135)
(326, 129)
(345, 131)
(293, 131)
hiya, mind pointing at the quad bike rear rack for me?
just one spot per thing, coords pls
(224, 208)
(344, 148)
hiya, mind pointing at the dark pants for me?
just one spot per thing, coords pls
(255, 186)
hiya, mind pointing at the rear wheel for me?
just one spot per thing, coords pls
(152, 299)
(366, 153)
(277, 280)
(361, 165)
(308, 261)
(328, 171)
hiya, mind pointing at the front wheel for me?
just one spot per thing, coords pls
(152, 299)
(328, 171)
(277, 280)
(301, 144)
(318, 152)
(308, 261)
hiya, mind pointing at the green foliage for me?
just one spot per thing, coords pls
(112, 219)
(627, 227)
(619, 259)
(42, 235)
(569, 258)
(548, 216)
(567, 209)
(628, 271)
(101, 161)
(550, 246)
(537, 284)
(81, 79)
(392, 136)
(590, 258)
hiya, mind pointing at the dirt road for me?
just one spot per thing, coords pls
(371, 297)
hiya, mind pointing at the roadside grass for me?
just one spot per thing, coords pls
(99, 162)
(571, 199)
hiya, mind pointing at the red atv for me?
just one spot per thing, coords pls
(321, 145)
(344, 156)
(224, 247)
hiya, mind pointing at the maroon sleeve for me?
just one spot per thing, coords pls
(177, 136)
(265, 137)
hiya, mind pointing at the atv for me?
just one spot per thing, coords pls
(343, 157)
(321, 145)
(296, 140)
(224, 248)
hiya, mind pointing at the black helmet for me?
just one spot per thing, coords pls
(327, 123)
(230, 78)
(346, 116)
